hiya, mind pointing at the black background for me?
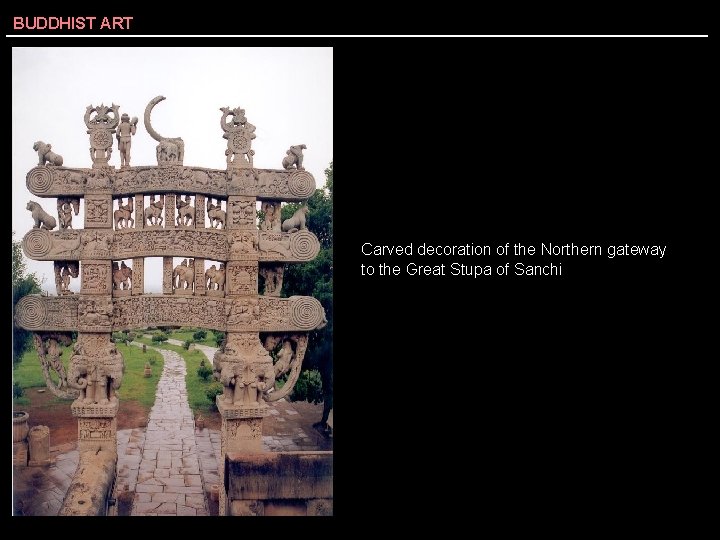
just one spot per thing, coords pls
(533, 394)
(532, 401)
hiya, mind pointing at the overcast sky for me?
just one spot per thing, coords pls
(287, 94)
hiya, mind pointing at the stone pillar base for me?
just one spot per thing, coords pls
(241, 431)
(39, 443)
(241, 426)
(97, 425)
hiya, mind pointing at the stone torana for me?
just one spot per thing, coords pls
(206, 217)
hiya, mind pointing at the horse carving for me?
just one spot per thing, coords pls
(121, 276)
(216, 215)
(124, 214)
(154, 213)
(186, 212)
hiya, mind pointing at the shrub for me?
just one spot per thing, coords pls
(119, 337)
(213, 390)
(204, 372)
(130, 337)
(308, 387)
(160, 338)
(219, 338)
(187, 344)
(17, 390)
(199, 335)
(152, 361)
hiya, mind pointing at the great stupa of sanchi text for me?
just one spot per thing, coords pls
(160, 211)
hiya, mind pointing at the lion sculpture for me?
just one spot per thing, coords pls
(297, 221)
(46, 155)
(43, 220)
(294, 157)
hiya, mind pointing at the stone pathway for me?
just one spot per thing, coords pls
(39, 491)
(168, 476)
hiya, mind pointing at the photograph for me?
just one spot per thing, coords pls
(172, 268)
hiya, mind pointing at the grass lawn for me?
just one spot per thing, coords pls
(28, 374)
(196, 387)
(186, 334)
(135, 387)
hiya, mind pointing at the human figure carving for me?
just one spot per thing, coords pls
(64, 270)
(154, 212)
(245, 243)
(284, 357)
(273, 279)
(294, 158)
(66, 279)
(186, 212)
(125, 131)
(46, 155)
(123, 215)
(42, 219)
(271, 221)
(65, 206)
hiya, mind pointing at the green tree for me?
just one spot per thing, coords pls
(315, 278)
(23, 284)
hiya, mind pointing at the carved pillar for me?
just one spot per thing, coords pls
(138, 279)
(241, 278)
(167, 275)
(98, 211)
(242, 405)
(139, 209)
(170, 211)
(199, 277)
(199, 211)
(241, 213)
(96, 277)
(96, 369)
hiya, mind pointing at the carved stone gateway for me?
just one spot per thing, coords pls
(214, 284)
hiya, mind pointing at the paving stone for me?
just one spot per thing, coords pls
(187, 489)
(185, 510)
(145, 507)
(173, 481)
(148, 488)
(193, 480)
(168, 497)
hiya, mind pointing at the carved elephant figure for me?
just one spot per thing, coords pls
(167, 151)
(97, 378)
(251, 381)
(226, 375)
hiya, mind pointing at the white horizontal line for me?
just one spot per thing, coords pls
(349, 36)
